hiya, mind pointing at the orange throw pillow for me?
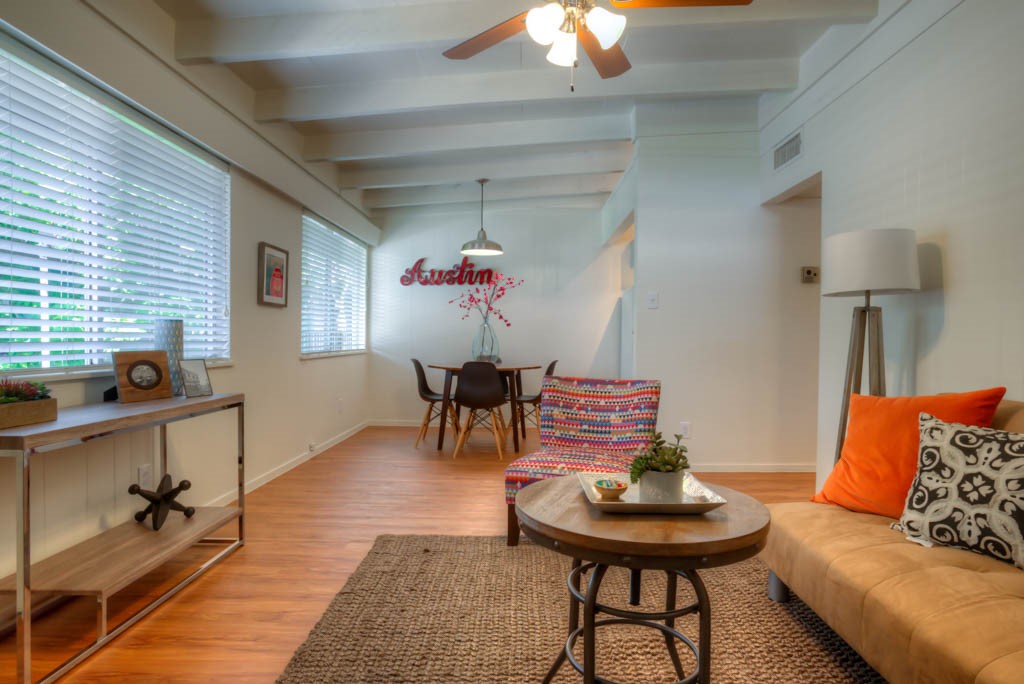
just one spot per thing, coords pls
(879, 457)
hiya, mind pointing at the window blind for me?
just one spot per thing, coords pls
(107, 224)
(333, 290)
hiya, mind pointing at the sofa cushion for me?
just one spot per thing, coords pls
(915, 614)
(547, 463)
(969, 490)
(879, 457)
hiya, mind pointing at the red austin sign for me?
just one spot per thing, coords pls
(464, 273)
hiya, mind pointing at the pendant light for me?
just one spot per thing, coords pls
(481, 246)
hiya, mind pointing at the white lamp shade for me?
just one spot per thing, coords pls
(882, 261)
(563, 50)
(605, 26)
(542, 23)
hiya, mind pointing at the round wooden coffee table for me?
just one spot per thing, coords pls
(555, 513)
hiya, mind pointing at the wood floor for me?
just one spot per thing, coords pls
(306, 532)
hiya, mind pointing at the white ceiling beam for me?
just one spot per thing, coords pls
(596, 158)
(594, 202)
(589, 184)
(370, 98)
(289, 36)
(409, 142)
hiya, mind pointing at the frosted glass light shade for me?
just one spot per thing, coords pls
(542, 23)
(882, 261)
(606, 26)
(563, 50)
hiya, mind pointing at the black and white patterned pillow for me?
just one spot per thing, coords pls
(969, 490)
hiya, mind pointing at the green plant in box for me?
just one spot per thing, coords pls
(660, 457)
(22, 390)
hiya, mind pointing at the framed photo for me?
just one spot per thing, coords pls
(142, 375)
(273, 275)
(195, 378)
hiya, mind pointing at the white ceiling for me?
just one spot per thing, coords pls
(365, 83)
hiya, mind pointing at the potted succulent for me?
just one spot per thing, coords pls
(23, 403)
(660, 470)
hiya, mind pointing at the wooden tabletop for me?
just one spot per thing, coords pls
(94, 420)
(502, 367)
(556, 514)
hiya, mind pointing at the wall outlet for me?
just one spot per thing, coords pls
(144, 476)
(684, 429)
(341, 405)
(311, 447)
(809, 274)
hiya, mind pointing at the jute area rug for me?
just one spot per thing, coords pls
(471, 609)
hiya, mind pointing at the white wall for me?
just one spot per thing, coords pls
(920, 127)
(734, 340)
(567, 308)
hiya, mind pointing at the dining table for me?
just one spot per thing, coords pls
(508, 370)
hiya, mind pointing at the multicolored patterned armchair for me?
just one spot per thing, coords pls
(586, 425)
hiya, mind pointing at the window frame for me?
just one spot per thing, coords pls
(330, 225)
(55, 67)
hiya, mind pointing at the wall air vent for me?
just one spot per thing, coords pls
(789, 150)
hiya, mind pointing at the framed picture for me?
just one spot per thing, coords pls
(273, 275)
(142, 375)
(195, 378)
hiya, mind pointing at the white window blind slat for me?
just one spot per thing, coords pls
(334, 273)
(106, 225)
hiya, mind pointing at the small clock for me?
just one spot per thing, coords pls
(144, 375)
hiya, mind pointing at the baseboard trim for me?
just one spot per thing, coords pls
(396, 422)
(752, 467)
(283, 468)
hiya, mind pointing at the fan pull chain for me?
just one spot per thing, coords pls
(572, 77)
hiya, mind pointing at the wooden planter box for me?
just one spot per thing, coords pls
(27, 412)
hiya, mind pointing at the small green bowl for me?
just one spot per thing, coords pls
(610, 489)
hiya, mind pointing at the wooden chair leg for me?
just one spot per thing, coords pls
(423, 425)
(513, 526)
(464, 434)
(498, 428)
(454, 417)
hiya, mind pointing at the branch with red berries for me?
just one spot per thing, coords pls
(482, 298)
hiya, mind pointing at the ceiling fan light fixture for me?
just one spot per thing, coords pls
(606, 26)
(563, 50)
(482, 245)
(542, 23)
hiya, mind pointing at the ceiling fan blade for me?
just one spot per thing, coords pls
(488, 38)
(609, 63)
(637, 4)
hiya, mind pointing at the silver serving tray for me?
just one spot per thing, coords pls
(694, 497)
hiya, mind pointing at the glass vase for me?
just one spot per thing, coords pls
(485, 344)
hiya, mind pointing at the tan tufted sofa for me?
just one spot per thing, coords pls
(916, 614)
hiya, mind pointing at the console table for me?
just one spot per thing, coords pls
(113, 559)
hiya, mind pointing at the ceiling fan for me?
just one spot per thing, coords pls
(565, 23)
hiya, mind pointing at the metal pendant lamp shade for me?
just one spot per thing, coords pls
(482, 246)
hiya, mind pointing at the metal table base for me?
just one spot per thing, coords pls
(663, 621)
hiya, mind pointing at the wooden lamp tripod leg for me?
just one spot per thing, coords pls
(866, 325)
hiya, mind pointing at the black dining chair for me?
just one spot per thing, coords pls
(480, 392)
(529, 404)
(433, 399)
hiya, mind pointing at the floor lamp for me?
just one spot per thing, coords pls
(859, 264)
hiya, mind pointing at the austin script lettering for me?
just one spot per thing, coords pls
(464, 273)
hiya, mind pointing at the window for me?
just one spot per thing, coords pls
(108, 222)
(333, 290)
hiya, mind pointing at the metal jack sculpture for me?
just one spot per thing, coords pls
(162, 501)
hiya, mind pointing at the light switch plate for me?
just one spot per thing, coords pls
(652, 300)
